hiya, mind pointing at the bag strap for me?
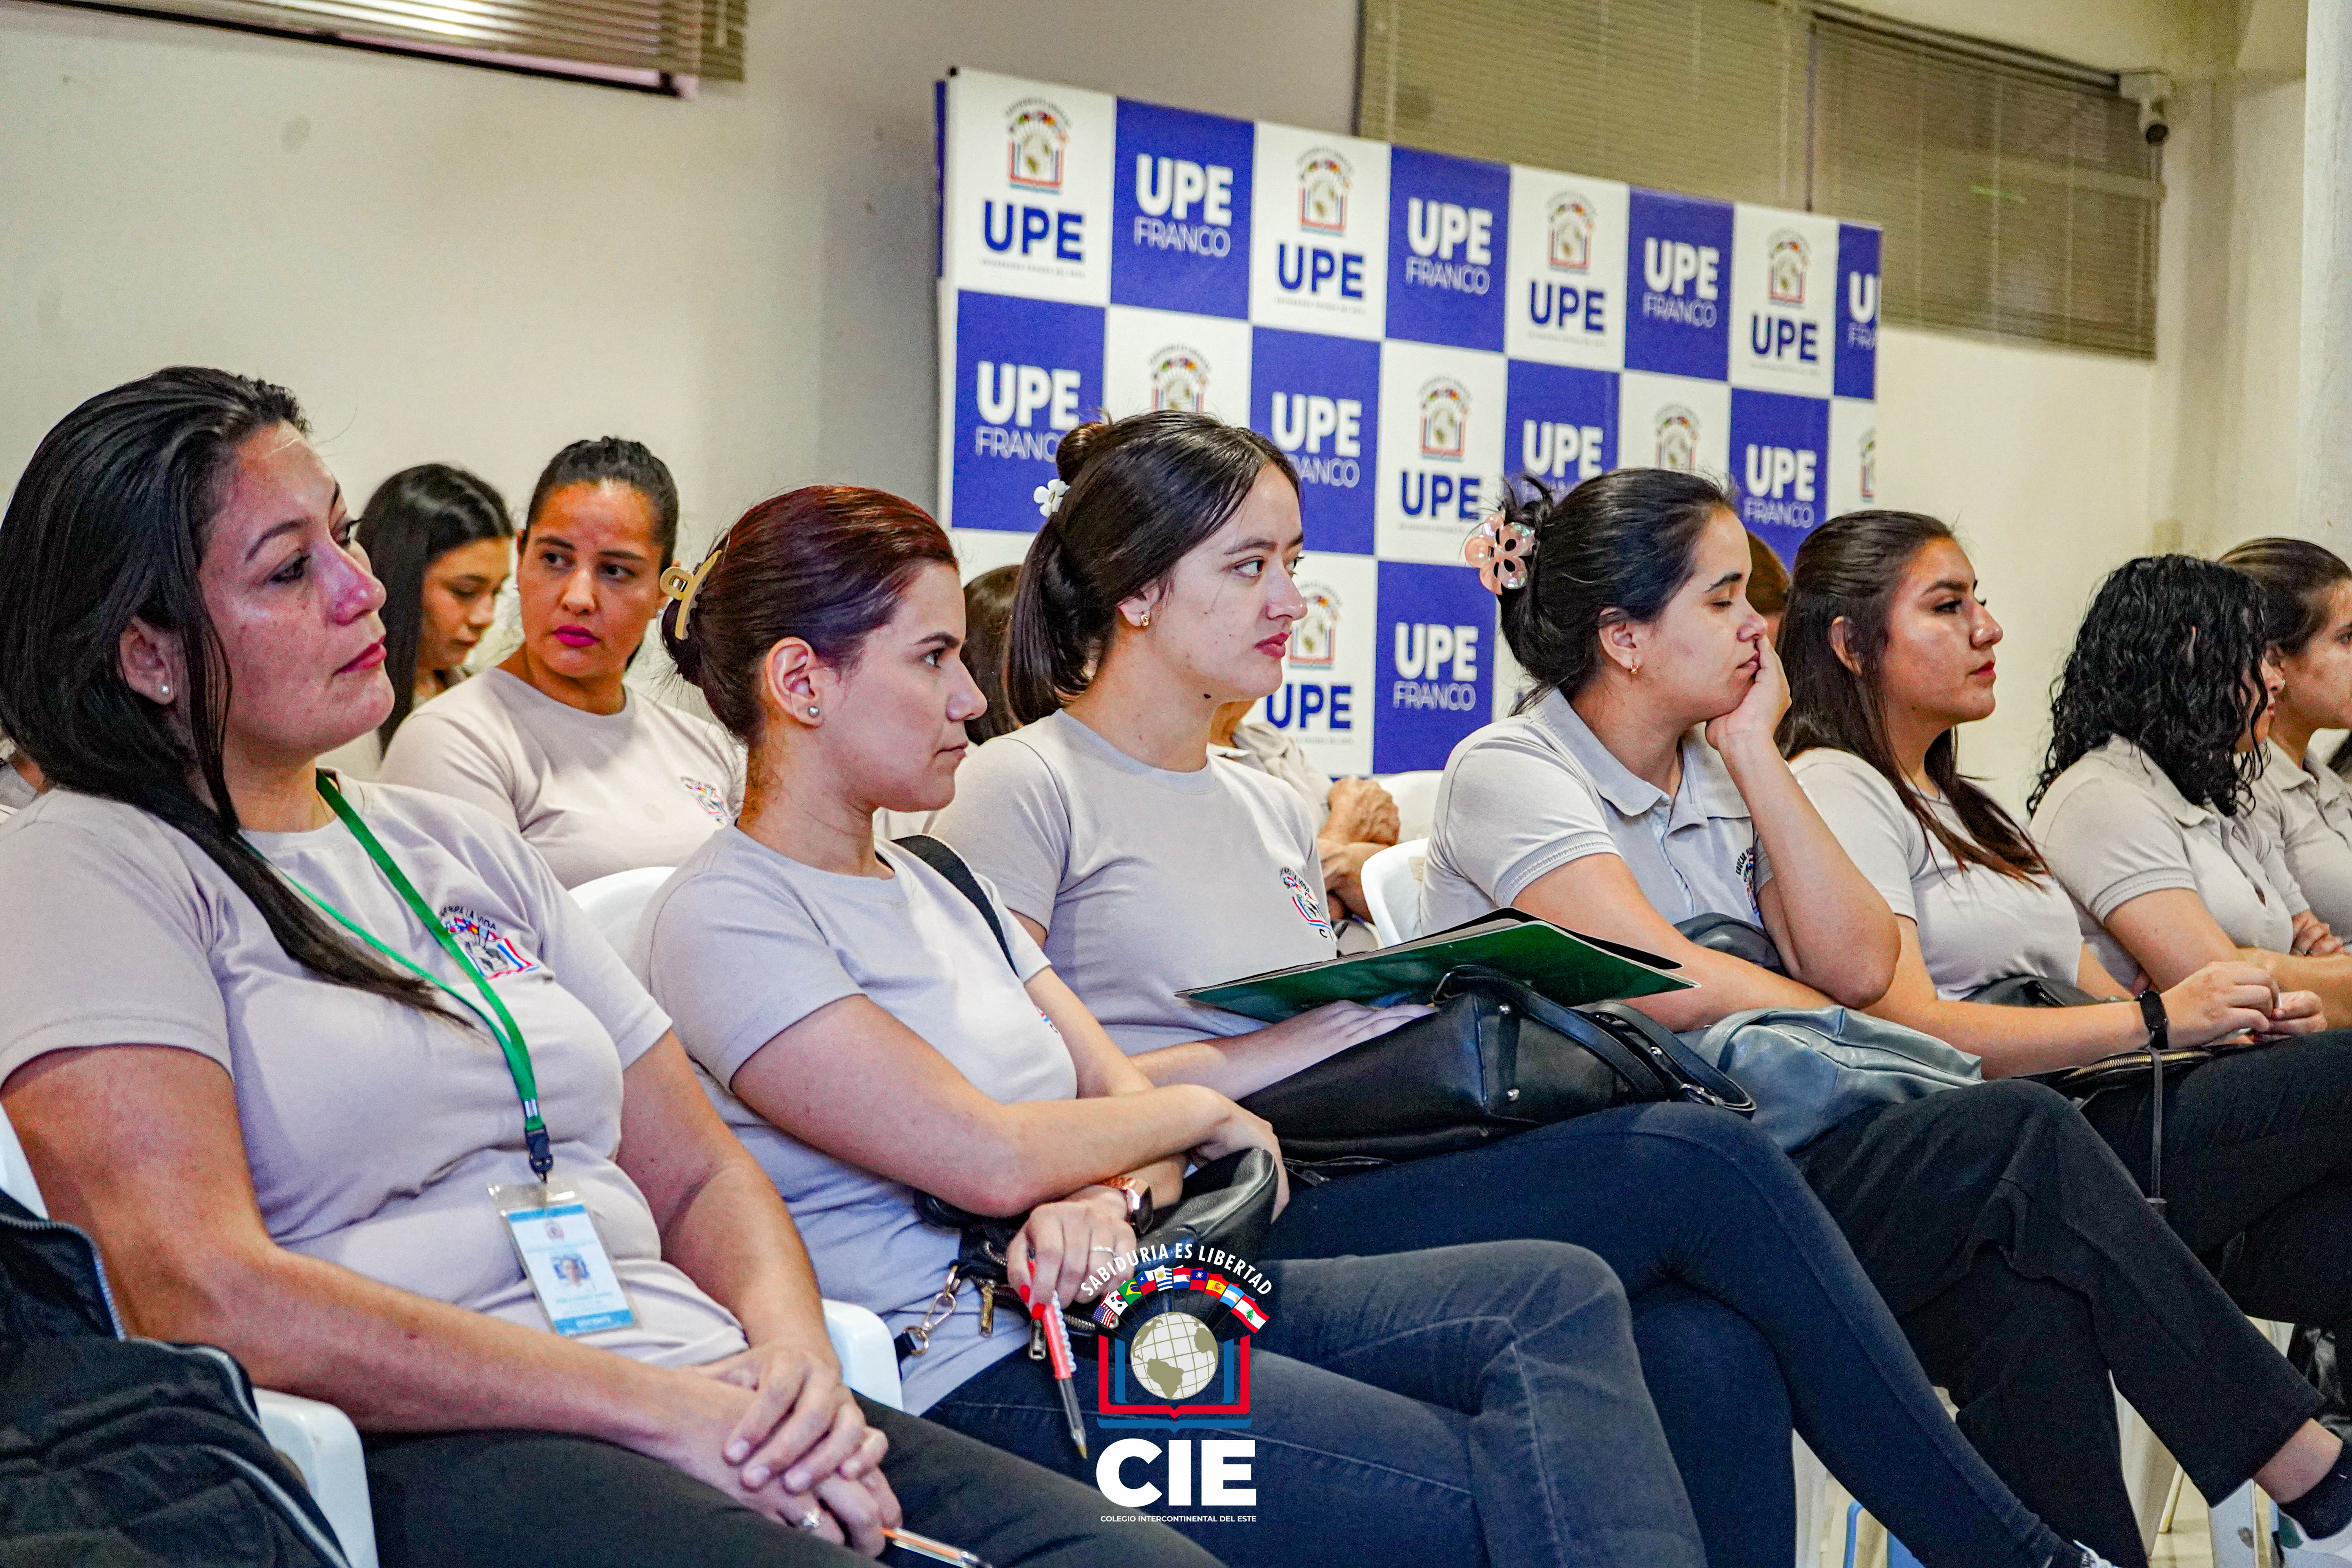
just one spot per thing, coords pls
(949, 864)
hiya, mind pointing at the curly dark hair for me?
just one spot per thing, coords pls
(2170, 658)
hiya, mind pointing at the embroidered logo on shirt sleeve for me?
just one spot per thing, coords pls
(709, 797)
(494, 952)
(1302, 898)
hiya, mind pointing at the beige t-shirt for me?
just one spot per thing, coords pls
(373, 1132)
(2114, 826)
(1147, 881)
(1976, 925)
(595, 793)
(1272, 752)
(2303, 813)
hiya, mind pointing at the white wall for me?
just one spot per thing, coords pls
(451, 263)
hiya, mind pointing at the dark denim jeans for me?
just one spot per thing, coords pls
(1748, 1308)
(1473, 1404)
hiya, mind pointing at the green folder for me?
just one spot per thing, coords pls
(1571, 970)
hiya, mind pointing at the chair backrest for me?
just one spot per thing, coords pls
(614, 904)
(1415, 795)
(16, 1172)
(1391, 884)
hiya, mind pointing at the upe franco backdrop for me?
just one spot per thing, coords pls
(1411, 328)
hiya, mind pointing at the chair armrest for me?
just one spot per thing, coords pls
(869, 1362)
(321, 1442)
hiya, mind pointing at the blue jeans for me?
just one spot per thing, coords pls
(1749, 1310)
(1473, 1404)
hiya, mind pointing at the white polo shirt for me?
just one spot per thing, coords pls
(2303, 812)
(1524, 797)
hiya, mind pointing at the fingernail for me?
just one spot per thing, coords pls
(757, 1475)
(797, 1481)
(736, 1450)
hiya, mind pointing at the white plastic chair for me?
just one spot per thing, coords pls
(614, 904)
(1415, 795)
(1391, 884)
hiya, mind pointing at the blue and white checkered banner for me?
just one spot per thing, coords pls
(1410, 327)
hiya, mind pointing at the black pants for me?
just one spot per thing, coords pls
(2026, 1269)
(2257, 1172)
(536, 1499)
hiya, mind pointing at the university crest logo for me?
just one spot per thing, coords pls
(1784, 275)
(1036, 135)
(1324, 178)
(1315, 637)
(1444, 418)
(1568, 232)
(1677, 438)
(1180, 379)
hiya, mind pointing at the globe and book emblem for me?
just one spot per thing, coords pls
(1175, 1356)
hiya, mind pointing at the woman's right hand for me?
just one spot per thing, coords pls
(2227, 998)
(702, 1417)
(1328, 1030)
(1239, 1129)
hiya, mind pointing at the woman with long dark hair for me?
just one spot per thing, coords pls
(2143, 810)
(313, 1064)
(1642, 786)
(595, 777)
(1889, 650)
(440, 542)
(1162, 587)
(2300, 803)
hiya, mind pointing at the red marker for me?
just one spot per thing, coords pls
(1048, 1314)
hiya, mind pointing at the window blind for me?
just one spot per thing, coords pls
(2017, 196)
(639, 42)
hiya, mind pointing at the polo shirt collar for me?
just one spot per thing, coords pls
(2123, 754)
(1707, 787)
(2285, 771)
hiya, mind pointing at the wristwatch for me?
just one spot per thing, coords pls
(2151, 1010)
(1139, 1206)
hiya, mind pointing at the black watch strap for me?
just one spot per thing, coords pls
(2151, 1010)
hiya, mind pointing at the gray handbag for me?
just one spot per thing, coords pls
(1809, 1069)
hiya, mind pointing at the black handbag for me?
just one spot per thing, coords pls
(1734, 937)
(1495, 1059)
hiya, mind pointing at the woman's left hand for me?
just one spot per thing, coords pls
(1758, 713)
(804, 1424)
(1066, 1249)
(2313, 937)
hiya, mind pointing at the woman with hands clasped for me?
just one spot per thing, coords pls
(1643, 786)
(318, 1065)
(877, 1032)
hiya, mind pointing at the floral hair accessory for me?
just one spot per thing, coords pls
(1048, 496)
(1500, 551)
(682, 584)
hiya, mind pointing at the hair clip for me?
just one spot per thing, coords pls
(1048, 497)
(1500, 551)
(681, 584)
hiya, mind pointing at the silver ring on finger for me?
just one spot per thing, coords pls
(811, 1521)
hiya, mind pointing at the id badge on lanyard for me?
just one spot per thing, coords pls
(554, 1233)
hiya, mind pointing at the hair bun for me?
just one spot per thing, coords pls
(1077, 447)
(685, 653)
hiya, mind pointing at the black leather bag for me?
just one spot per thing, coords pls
(1495, 1059)
(1734, 937)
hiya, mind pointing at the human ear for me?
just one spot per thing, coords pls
(149, 661)
(1620, 644)
(1137, 609)
(1839, 645)
(788, 681)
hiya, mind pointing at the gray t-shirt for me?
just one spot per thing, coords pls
(1975, 925)
(16, 790)
(1524, 797)
(373, 1132)
(2302, 812)
(2113, 827)
(744, 942)
(593, 793)
(1147, 881)
(1277, 753)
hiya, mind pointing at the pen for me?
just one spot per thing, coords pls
(1065, 1366)
(937, 1550)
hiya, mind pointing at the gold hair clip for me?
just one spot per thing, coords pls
(1500, 551)
(682, 585)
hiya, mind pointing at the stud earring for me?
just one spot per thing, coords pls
(1145, 621)
(167, 692)
(812, 710)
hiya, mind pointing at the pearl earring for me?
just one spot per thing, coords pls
(812, 710)
(167, 692)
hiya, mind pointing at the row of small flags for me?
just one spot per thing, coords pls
(1152, 1281)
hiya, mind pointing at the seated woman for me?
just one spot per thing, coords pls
(440, 542)
(1643, 787)
(1888, 651)
(311, 1064)
(595, 777)
(876, 1042)
(987, 610)
(1356, 818)
(2301, 806)
(2142, 807)
(1161, 588)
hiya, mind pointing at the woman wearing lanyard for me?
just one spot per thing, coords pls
(322, 1068)
(1162, 587)
(597, 778)
(1643, 786)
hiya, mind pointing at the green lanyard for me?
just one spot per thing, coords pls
(502, 1028)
